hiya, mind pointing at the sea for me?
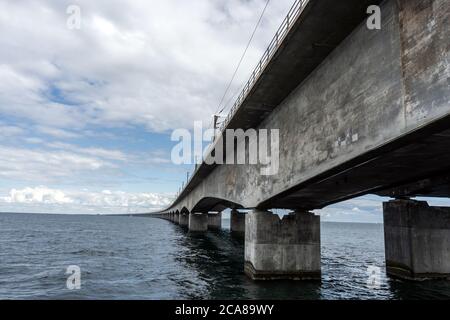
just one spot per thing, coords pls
(142, 258)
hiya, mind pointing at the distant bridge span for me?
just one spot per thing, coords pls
(359, 111)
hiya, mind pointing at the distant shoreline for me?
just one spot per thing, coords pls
(151, 215)
(82, 214)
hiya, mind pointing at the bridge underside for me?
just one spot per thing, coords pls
(215, 205)
(416, 165)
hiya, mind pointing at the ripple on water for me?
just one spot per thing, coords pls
(143, 258)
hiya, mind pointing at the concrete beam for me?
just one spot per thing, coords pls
(417, 240)
(287, 248)
(434, 186)
(237, 222)
(198, 222)
(215, 221)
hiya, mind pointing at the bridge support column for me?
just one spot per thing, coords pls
(184, 220)
(198, 222)
(417, 240)
(287, 248)
(237, 222)
(215, 220)
(177, 218)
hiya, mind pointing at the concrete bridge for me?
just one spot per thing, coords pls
(359, 111)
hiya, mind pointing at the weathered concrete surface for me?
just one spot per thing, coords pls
(282, 249)
(237, 222)
(215, 221)
(198, 222)
(417, 240)
(373, 115)
(424, 39)
(176, 218)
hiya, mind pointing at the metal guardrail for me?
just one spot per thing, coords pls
(281, 33)
(283, 30)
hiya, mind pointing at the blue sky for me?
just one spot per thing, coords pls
(86, 115)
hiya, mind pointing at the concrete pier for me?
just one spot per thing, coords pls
(176, 218)
(237, 222)
(215, 221)
(417, 240)
(287, 248)
(198, 222)
(184, 220)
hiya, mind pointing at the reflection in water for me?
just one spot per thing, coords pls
(143, 258)
(218, 257)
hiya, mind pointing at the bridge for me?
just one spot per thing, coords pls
(359, 111)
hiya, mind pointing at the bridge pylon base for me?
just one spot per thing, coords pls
(237, 222)
(287, 248)
(215, 221)
(198, 222)
(417, 240)
(184, 220)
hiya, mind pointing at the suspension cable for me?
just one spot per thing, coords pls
(242, 58)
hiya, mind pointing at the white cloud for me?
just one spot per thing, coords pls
(160, 64)
(45, 165)
(109, 154)
(62, 164)
(362, 209)
(57, 133)
(47, 200)
(10, 131)
(40, 195)
(33, 140)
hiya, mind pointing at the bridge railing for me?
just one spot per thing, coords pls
(283, 30)
(281, 33)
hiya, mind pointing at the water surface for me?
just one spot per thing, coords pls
(144, 258)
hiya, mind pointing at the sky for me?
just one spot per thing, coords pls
(86, 114)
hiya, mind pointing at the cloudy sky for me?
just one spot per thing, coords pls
(86, 114)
